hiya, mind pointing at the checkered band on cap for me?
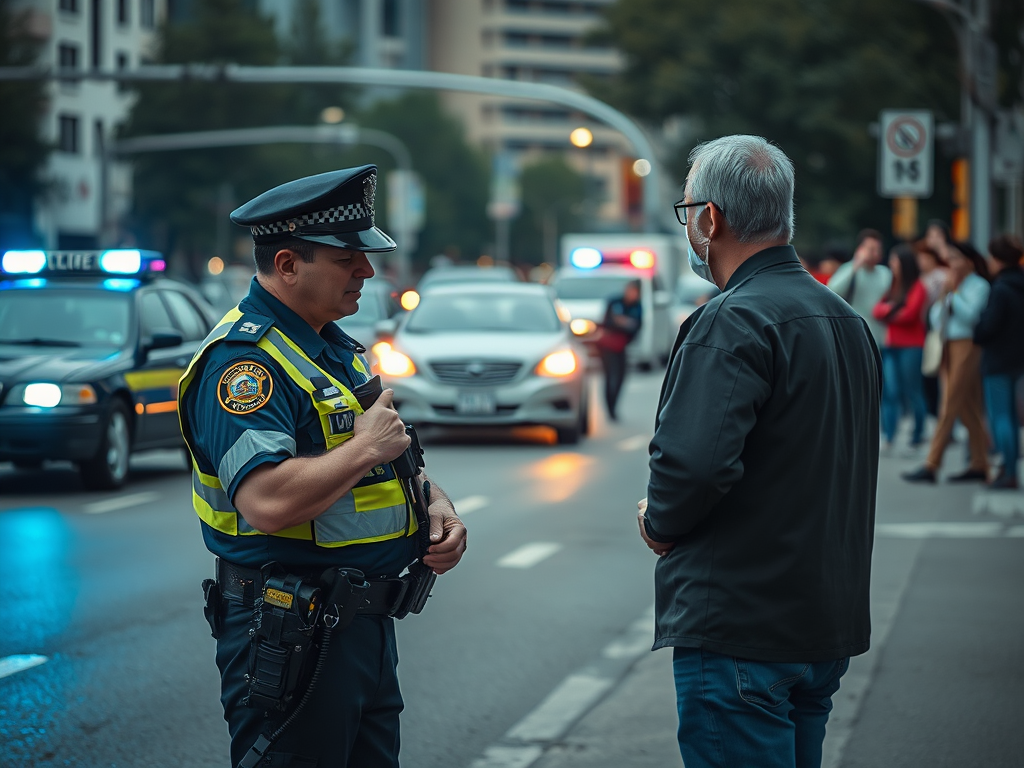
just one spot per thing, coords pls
(350, 212)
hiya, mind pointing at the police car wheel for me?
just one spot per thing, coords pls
(108, 469)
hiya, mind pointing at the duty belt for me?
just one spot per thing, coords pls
(383, 598)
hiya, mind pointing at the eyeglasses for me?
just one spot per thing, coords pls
(681, 206)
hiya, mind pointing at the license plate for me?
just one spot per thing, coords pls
(475, 404)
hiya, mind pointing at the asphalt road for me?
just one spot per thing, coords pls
(106, 587)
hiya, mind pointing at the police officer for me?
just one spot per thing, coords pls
(292, 475)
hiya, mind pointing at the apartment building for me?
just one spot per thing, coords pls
(542, 41)
(79, 35)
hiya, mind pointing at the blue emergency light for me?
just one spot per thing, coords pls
(116, 261)
(586, 258)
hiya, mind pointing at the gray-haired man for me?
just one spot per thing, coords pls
(764, 463)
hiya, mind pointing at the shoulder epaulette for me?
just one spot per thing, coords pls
(249, 328)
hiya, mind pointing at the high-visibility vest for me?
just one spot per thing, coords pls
(372, 511)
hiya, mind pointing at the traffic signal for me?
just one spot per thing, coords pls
(961, 172)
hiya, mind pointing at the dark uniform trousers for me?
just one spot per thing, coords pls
(352, 717)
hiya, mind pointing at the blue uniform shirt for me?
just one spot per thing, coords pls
(293, 426)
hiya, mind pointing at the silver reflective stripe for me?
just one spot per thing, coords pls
(251, 443)
(340, 522)
(215, 497)
(304, 366)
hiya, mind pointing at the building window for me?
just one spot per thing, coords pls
(147, 14)
(123, 13)
(67, 140)
(70, 6)
(390, 25)
(67, 56)
(121, 58)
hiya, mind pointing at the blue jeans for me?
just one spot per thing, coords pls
(1001, 403)
(736, 712)
(902, 390)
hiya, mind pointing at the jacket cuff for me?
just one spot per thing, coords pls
(655, 536)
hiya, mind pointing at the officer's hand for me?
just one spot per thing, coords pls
(447, 537)
(657, 547)
(382, 425)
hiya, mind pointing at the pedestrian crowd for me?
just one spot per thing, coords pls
(950, 326)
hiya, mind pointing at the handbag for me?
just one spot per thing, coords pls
(931, 354)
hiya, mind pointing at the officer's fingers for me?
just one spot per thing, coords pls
(386, 399)
(436, 516)
(642, 505)
(455, 537)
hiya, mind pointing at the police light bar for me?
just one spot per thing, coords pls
(115, 261)
(586, 258)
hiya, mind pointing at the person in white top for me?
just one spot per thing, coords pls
(955, 314)
(864, 280)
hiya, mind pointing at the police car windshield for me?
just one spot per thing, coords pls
(64, 318)
(592, 286)
(482, 313)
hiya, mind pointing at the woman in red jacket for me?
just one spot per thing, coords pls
(902, 310)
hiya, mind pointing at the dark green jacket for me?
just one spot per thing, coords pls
(764, 466)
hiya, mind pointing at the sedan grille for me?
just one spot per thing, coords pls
(475, 373)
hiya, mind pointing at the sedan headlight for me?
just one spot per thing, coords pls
(557, 364)
(392, 362)
(44, 394)
(582, 327)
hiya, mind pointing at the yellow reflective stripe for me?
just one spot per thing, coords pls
(360, 365)
(225, 522)
(386, 494)
(154, 379)
(369, 540)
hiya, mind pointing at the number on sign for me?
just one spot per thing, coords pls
(909, 170)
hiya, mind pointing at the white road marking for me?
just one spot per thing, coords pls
(529, 555)
(634, 443)
(470, 504)
(1015, 531)
(941, 530)
(11, 664)
(526, 741)
(998, 503)
(120, 502)
(561, 708)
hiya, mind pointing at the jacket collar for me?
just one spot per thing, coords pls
(769, 257)
(287, 321)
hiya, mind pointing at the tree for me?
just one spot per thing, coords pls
(809, 75)
(23, 152)
(182, 199)
(455, 175)
(552, 193)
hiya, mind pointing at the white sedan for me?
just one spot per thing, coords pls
(486, 354)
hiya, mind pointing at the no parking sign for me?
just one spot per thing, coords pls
(906, 149)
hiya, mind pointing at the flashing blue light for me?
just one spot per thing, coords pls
(23, 262)
(120, 284)
(586, 258)
(121, 262)
(25, 282)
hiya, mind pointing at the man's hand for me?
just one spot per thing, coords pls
(657, 547)
(447, 536)
(383, 428)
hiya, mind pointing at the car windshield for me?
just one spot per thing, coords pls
(64, 318)
(484, 312)
(592, 287)
(467, 275)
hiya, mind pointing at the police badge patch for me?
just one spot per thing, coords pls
(244, 387)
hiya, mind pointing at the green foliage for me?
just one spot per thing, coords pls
(455, 175)
(180, 196)
(22, 152)
(809, 75)
(552, 194)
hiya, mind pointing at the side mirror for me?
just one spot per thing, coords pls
(163, 338)
(386, 330)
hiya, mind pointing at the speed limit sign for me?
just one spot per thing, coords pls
(906, 149)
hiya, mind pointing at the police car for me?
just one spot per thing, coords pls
(92, 344)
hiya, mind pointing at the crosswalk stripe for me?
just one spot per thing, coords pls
(634, 443)
(470, 504)
(120, 502)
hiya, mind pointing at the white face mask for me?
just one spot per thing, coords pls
(698, 264)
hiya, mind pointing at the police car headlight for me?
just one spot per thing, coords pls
(43, 394)
(581, 326)
(394, 363)
(557, 364)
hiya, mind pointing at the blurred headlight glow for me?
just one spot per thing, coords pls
(563, 314)
(558, 364)
(42, 395)
(410, 300)
(394, 363)
(121, 262)
(23, 262)
(581, 326)
(586, 258)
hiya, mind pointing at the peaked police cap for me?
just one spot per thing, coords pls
(334, 208)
